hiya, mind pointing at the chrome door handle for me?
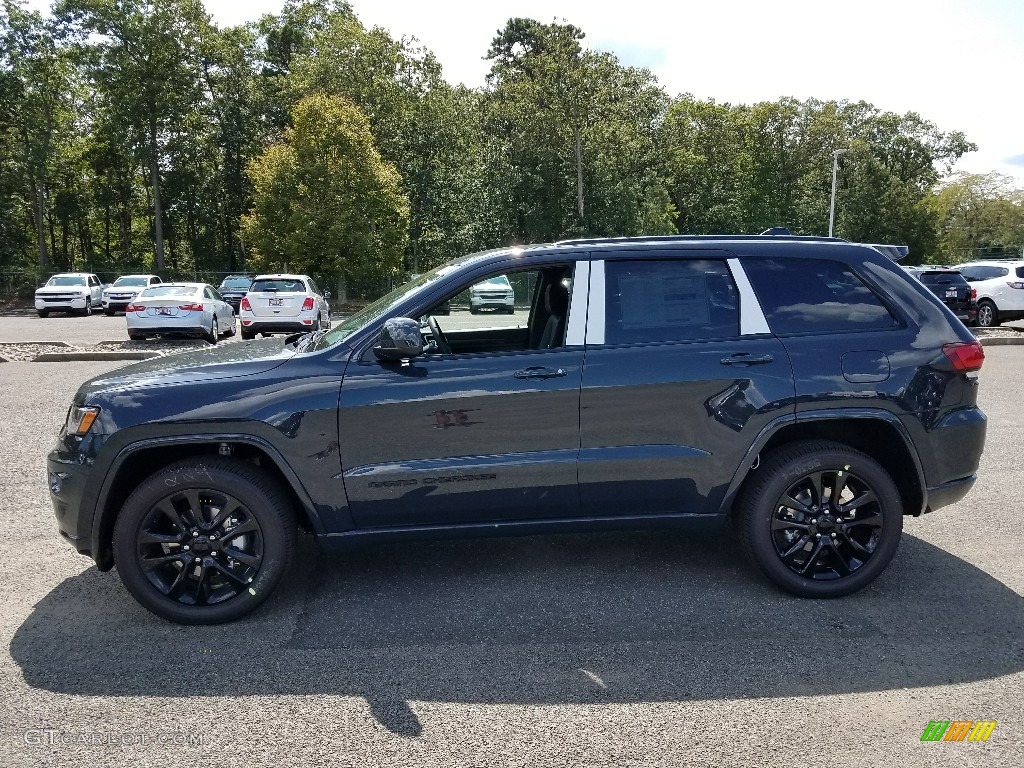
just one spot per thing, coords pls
(539, 372)
(745, 358)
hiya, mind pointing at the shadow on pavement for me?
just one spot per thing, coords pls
(632, 617)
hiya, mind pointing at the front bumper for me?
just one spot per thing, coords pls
(61, 304)
(495, 302)
(67, 480)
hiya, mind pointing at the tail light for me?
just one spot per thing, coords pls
(191, 307)
(245, 305)
(1016, 284)
(135, 308)
(307, 304)
(965, 355)
(974, 294)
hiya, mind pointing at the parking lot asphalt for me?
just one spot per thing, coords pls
(639, 649)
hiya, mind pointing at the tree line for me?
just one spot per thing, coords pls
(137, 135)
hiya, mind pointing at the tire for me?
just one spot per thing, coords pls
(246, 336)
(43, 312)
(137, 336)
(88, 309)
(158, 521)
(214, 333)
(779, 550)
(510, 311)
(988, 315)
(108, 312)
(234, 327)
(474, 311)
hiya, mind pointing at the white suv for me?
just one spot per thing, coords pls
(70, 292)
(283, 304)
(494, 293)
(119, 294)
(1000, 287)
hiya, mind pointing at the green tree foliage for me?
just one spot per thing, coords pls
(127, 128)
(978, 215)
(325, 202)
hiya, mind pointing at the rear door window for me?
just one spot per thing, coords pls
(809, 295)
(669, 300)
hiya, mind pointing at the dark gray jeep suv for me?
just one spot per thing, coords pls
(805, 389)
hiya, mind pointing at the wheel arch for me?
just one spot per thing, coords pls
(880, 434)
(137, 461)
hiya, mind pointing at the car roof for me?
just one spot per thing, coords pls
(140, 275)
(74, 274)
(181, 285)
(281, 277)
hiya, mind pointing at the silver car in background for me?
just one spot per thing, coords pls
(180, 309)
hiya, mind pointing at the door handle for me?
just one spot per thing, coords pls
(540, 372)
(745, 358)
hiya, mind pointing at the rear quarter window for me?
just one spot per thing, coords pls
(809, 295)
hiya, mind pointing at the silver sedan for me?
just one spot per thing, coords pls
(181, 309)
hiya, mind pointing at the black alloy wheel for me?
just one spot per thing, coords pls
(203, 542)
(821, 519)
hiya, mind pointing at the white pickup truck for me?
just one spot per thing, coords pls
(79, 292)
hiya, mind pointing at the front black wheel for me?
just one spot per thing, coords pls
(204, 541)
(821, 519)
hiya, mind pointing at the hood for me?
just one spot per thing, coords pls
(62, 289)
(222, 361)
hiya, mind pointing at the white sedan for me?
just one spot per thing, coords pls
(182, 309)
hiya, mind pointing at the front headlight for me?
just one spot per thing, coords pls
(81, 419)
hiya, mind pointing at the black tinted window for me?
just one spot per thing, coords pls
(669, 301)
(942, 278)
(801, 295)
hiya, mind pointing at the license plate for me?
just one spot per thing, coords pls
(276, 302)
(163, 310)
(951, 293)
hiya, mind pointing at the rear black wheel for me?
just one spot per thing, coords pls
(214, 334)
(204, 541)
(821, 519)
(247, 336)
(108, 312)
(43, 312)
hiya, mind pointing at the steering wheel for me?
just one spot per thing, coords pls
(440, 342)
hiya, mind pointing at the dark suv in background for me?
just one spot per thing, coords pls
(805, 389)
(952, 289)
(233, 289)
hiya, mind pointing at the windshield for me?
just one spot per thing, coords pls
(381, 306)
(131, 281)
(231, 283)
(157, 291)
(66, 280)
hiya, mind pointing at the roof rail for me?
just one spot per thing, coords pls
(776, 232)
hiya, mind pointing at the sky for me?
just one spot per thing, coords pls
(957, 63)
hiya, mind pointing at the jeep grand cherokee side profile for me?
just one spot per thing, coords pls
(805, 389)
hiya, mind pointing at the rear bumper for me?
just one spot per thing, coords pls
(951, 453)
(280, 326)
(168, 330)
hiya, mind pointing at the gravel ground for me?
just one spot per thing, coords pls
(600, 650)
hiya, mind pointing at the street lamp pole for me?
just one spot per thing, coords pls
(832, 205)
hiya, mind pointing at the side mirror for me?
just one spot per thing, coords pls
(327, 295)
(400, 339)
